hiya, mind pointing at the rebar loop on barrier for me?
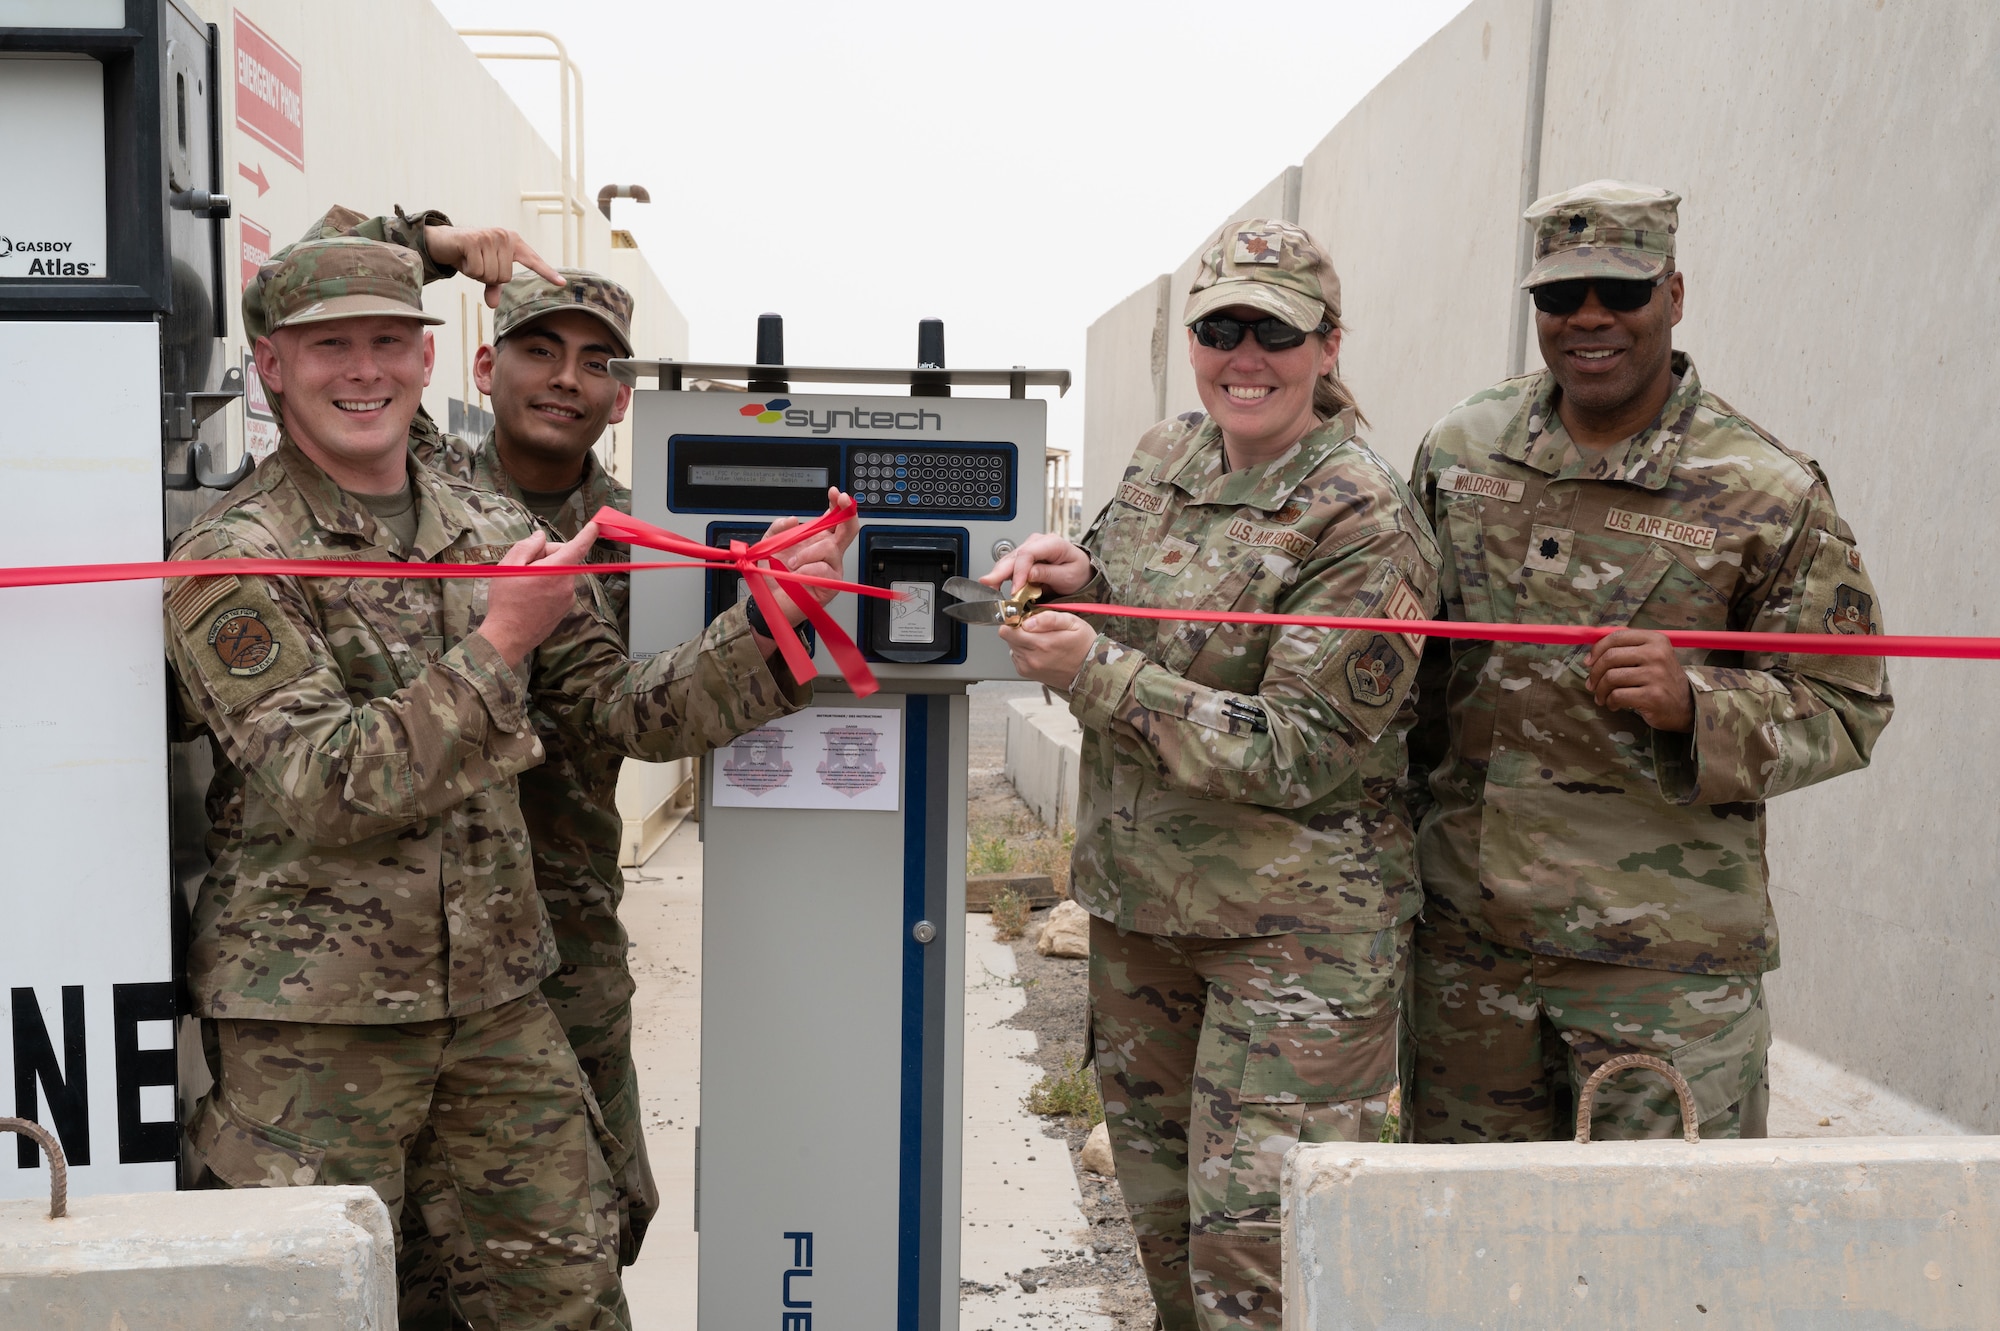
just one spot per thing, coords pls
(1690, 1117)
(58, 1167)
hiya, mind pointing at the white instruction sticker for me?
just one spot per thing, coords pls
(914, 619)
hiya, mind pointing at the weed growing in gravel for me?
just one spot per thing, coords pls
(989, 854)
(1010, 914)
(1073, 1097)
(1050, 855)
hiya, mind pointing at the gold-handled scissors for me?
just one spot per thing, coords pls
(976, 603)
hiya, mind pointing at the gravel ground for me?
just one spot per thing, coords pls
(1057, 1007)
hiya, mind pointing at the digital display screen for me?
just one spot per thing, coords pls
(773, 478)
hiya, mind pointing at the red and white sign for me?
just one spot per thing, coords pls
(256, 248)
(270, 93)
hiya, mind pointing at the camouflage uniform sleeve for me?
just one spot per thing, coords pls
(1780, 723)
(253, 666)
(695, 698)
(399, 229)
(1098, 589)
(1300, 735)
(1430, 738)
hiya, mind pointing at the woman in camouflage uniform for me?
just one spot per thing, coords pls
(1242, 840)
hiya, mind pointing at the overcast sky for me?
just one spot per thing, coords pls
(1014, 170)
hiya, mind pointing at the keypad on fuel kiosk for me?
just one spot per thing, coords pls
(957, 480)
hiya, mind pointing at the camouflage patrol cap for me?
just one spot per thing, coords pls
(530, 296)
(1608, 228)
(1271, 266)
(344, 277)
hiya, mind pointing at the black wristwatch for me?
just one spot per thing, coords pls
(758, 624)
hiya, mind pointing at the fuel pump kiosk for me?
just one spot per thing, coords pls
(111, 314)
(833, 901)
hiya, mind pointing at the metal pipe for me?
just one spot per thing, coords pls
(1531, 180)
(605, 194)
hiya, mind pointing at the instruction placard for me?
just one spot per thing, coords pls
(819, 758)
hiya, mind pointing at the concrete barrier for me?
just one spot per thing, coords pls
(317, 1258)
(1044, 754)
(1720, 1235)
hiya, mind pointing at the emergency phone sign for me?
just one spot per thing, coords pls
(270, 93)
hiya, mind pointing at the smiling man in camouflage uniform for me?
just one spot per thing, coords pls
(368, 947)
(1594, 862)
(548, 376)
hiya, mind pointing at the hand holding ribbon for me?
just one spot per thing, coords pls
(756, 564)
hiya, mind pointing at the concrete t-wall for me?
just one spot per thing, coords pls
(1841, 168)
(1415, 195)
(1125, 358)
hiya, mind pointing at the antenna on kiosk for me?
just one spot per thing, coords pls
(930, 356)
(770, 351)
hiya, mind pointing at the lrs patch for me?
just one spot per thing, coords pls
(243, 642)
(1852, 612)
(1372, 670)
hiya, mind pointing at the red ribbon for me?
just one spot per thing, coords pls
(758, 564)
(1583, 635)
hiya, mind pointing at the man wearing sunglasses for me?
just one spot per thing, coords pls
(1593, 853)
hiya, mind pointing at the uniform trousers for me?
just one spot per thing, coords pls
(1214, 1057)
(1505, 1038)
(492, 1114)
(594, 1005)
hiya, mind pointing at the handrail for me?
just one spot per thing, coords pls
(571, 78)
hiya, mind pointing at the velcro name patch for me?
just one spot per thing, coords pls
(1245, 532)
(1459, 481)
(1139, 497)
(1660, 529)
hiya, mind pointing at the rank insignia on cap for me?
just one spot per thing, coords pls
(243, 642)
(1852, 611)
(1577, 224)
(1259, 247)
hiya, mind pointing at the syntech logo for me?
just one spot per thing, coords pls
(767, 413)
(798, 418)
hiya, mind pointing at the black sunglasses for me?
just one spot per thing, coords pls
(1623, 294)
(1273, 334)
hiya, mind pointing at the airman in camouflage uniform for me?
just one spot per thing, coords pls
(1593, 863)
(570, 801)
(1243, 844)
(368, 947)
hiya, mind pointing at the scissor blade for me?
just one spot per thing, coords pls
(977, 612)
(965, 589)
